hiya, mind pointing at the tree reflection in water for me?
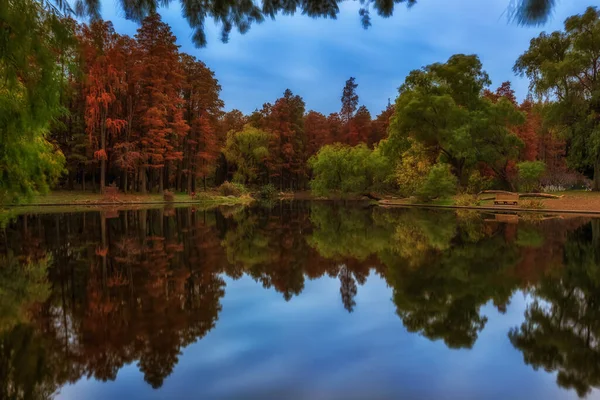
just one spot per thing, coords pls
(84, 294)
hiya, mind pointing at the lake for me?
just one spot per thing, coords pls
(299, 301)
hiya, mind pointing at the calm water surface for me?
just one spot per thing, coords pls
(299, 301)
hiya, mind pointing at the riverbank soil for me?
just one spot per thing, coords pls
(577, 201)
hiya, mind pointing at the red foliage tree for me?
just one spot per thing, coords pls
(334, 123)
(380, 125)
(285, 121)
(160, 105)
(359, 128)
(202, 111)
(317, 132)
(104, 79)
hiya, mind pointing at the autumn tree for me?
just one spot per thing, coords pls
(359, 128)
(317, 132)
(160, 105)
(104, 79)
(126, 151)
(334, 125)
(202, 108)
(285, 122)
(380, 125)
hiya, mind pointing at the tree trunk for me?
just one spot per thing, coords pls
(189, 183)
(94, 181)
(125, 175)
(103, 147)
(143, 180)
(161, 176)
(178, 180)
(83, 179)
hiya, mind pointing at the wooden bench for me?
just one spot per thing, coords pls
(507, 198)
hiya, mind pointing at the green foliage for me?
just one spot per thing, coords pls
(561, 329)
(232, 189)
(247, 150)
(241, 15)
(267, 191)
(532, 204)
(530, 173)
(478, 183)
(565, 65)
(21, 285)
(439, 183)
(348, 170)
(413, 168)
(467, 200)
(442, 107)
(33, 39)
(340, 233)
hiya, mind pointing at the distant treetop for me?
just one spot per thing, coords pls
(241, 14)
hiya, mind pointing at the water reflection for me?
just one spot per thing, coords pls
(82, 295)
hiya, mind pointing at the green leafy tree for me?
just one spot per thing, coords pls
(530, 173)
(442, 107)
(348, 170)
(439, 183)
(566, 66)
(30, 89)
(247, 149)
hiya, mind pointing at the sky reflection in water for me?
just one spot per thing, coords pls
(399, 341)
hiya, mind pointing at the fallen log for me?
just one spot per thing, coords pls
(542, 195)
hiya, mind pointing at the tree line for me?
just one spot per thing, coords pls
(96, 108)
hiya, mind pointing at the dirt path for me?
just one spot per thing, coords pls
(580, 201)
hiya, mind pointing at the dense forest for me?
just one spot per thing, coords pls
(85, 107)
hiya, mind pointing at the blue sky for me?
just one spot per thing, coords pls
(315, 57)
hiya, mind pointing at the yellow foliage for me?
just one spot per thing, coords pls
(413, 168)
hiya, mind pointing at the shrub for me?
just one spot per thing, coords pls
(267, 192)
(478, 183)
(467, 200)
(232, 189)
(530, 174)
(439, 183)
(532, 204)
(168, 195)
(561, 180)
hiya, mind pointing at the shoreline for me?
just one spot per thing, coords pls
(579, 203)
(492, 209)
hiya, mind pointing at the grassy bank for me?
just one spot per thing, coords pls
(72, 198)
(77, 201)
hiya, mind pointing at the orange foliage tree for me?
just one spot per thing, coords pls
(104, 79)
(160, 106)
